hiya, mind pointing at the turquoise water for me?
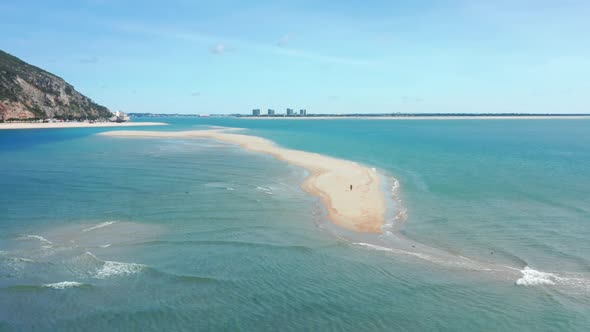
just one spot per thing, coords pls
(100, 233)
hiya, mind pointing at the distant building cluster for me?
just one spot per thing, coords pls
(271, 112)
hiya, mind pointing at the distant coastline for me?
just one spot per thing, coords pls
(58, 125)
(420, 117)
(380, 116)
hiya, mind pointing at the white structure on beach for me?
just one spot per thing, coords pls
(119, 116)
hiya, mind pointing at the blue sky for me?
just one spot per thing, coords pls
(182, 56)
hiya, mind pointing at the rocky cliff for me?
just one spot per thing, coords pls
(28, 92)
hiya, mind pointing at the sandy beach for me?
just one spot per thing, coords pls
(361, 209)
(56, 125)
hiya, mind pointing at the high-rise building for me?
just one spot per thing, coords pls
(290, 112)
(271, 112)
(302, 112)
(256, 112)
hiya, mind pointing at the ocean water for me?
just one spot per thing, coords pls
(488, 230)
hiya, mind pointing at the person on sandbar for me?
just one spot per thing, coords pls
(351, 187)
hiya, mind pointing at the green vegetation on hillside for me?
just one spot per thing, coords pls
(67, 102)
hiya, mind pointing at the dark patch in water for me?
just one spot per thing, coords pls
(196, 279)
(45, 287)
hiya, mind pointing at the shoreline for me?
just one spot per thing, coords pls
(61, 125)
(361, 209)
(418, 117)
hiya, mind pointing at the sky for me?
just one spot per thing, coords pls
(373, 56)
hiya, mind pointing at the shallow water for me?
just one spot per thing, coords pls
(100, 233)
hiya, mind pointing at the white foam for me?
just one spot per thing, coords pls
(105, 245)
(91, 255)
(532, 277)
(230, 188)
(380, 248)
(25, 260)
(64, 285)
(402, 215)
(374, 247)
(16, 263)
(112, 269)
(36, 237)
(107, 269)
(101, 225)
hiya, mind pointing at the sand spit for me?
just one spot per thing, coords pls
(361, 209)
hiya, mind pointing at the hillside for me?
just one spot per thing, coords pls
(28, 92)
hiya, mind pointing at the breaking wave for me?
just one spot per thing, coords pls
(267, 191)
(108, 269)
(111, 269)
(64, 285)
(532, 277)
(34, 237)
(397, 213)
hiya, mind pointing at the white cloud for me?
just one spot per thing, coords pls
(218, 49)
(285, 39)
(220, 44)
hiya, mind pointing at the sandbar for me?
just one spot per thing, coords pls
(361, 209)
